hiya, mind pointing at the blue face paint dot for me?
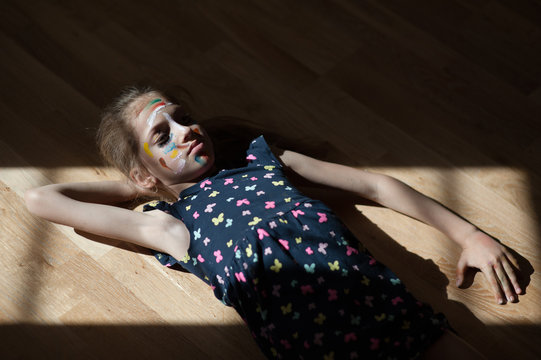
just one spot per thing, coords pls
(200, 159)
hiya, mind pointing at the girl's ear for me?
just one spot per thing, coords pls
(142, 178)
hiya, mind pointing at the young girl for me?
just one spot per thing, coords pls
(291, 269)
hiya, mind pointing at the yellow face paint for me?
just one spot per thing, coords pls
(147, 150)
(174, 154)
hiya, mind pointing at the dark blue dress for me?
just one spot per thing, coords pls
(293, 271)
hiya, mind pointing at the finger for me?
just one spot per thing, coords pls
(511, 275)
(460, 269)
(504, 282)
(490, 275)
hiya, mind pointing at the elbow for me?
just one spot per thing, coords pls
(34, 200)
(385, 185)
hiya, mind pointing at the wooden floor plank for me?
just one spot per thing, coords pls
(442, 95)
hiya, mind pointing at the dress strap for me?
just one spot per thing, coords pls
(260, 154)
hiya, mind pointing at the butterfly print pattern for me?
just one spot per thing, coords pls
(299, 278)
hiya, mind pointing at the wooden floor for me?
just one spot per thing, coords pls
(444, 95)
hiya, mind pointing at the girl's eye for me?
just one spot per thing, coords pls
(162, 138)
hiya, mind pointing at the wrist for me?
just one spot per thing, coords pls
(465, 235)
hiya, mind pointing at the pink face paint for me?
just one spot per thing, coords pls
(147, 150)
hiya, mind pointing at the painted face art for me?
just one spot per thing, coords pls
(170, 149)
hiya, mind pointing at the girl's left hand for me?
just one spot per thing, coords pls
(494, 260)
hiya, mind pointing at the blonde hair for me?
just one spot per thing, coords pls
(116, 137)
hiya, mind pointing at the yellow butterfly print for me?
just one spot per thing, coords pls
(249, 251)
(406, 325)
(229, 243)
(269, 167)
(188, 207)
(365, 281)
(218, 219)
(380, 317)
(283, 221)
(185, 259)
(214, 193)
(287, 199)
(277, 183)
(286, 309)
(277, 266)
(298, 240)
(255, 221)
(329, 356)
(320, 319)
(334, 266)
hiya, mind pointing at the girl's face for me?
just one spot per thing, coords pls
(174, 148)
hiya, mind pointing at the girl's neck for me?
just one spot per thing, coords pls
(175, 189)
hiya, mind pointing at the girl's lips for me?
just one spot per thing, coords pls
(195, 147)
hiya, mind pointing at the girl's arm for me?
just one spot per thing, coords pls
(479, 250)
(89, 207)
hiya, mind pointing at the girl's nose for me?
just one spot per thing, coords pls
(183, 133)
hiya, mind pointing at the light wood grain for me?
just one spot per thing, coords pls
(444, 95)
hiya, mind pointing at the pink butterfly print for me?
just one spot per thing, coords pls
(251, 157)
(333, 294)
(228, 181)
(272, 224)
(260, 193)
(262, 233)
(351, 250)
(284, 243)
(246, 212)
(235, 187)
(322, 217)
(209, 207)
(320, 280)
(309, 251)
(195, 215)
(206, 241)
(368, 301)
(305, 228)
(308, 205)
(374, 344)
(397, 300)
(268, 175)
(332, 233)
(276, 290)
(253, 178)
(350, 337)
(220, 279)
(218, 255)
(268, 251)
(372, 261)
(285, 344)
(243, 201)
(269, 205)
(317, 339)
(204, 183)
(200, 258)
(322, 247)
(296, 213)
(307, 289)
(240, 277)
